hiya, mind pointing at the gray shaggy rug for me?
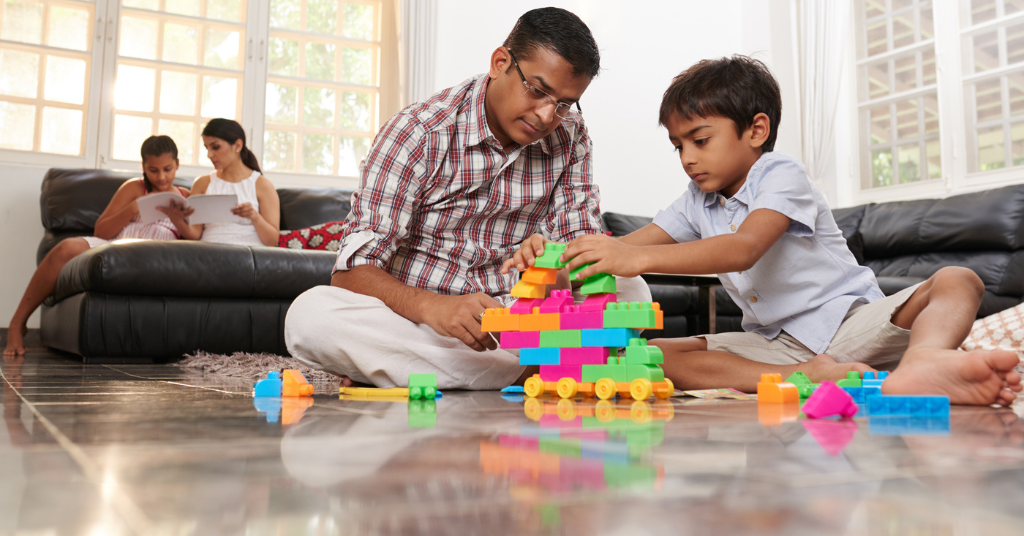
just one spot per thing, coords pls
(251, 367)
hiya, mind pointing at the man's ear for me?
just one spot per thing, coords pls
(759, 130)
(500, 61)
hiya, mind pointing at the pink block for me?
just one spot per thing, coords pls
(597, 302)
(524, 306)
(592, 355)
(555, 302)
(828, 400)
(573, 317)
(520, 339)
(833, 436)
(553, 373)
(554, 421)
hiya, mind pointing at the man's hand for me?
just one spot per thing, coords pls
(459, 317)
(608, 254)
(527, 254)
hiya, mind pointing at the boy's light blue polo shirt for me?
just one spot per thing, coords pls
(808, 280)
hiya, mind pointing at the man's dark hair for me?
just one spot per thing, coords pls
(738, 88)
(561, 32)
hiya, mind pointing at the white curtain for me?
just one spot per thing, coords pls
(418, 49)
(823, 27)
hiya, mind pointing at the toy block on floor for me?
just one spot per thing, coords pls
(499, 320)
(586, 355)
(636, 315)
(549, 259)
(555, 302)
(269, 386)
(563, 338)
(597, 303)
(539, 276)
(524, 289)
(553, 373)
(872, 379)
(539, 322)
(771, 389)
(422, 386)
(852, 380)
(639, 353)
(615, 337)
(571, 317)
(908, 425)
(524, 306)
(540, 356)
(803, 384)
(520, 339)
(828, 400)
(919, 406)
(860, 394)
(295, 384)
(598, 284)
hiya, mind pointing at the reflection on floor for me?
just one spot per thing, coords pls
(149, 449)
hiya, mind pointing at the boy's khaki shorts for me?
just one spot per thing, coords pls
(867, 335)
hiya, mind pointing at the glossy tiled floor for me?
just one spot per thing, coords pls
(148, 449)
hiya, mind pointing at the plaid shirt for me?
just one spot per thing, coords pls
(440, 205)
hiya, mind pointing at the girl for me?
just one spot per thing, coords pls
(119, 220)
(258, 220)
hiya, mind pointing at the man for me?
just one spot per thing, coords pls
(451, 188)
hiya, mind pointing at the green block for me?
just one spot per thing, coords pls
(798, 378)
(564, 338)
(549, 259)
(598, 284)
(652, 373)
(638, 353)
(630, 476)
(422, 413)
(561, 447)
(577, 270)
(806, 389)
(592, 373)
(422, 386)
(852, 380)
(633, 315)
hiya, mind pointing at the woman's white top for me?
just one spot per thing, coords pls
(241, 231)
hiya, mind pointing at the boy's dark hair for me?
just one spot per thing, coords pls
(156, 146)
(559, 31)
(738, 88)
(230, 131)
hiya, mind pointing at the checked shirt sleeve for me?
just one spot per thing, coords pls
(575, 208)
(384, 204)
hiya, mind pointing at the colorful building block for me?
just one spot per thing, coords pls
(563, 338)
(771, 389)
(598, 284)
(550, 258)
(520, 339)
(524, 306)
(295, 384)
(636, 315)
(586, 355)
(639, 353)
(537, 321)
(829, 400)
(540, 276)
(269, 386)
(553, 373)
(871, 379)
(524, 289)
(539, 356)
(615, 337)
(852, 380)
(597, 303)
(919, 406)
(497, 320)
(572, 317)
(556, 301)
(803, 384)
(860, 394)
(422, 386)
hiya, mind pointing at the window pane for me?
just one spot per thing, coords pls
(355, 111)
(982, 10)
(317, 156)
(322, 16)
(991, 154)
(1012, 6)
(68, 28)
(281, 104)
(134, 89)
(284, 57)
(878, 79)
(229, 10)
(906, 73)
(927, 23)
(19, 121)
(62, 131)
(986, 52)
(1017, 143)
(877, 42)
(65, 81)
(318, 107)
(903, 29)
(183, 7)
(177, 93)
(356, 66)
(900, 4)
(359, 22)
(907, 123)
(285, 14)
(279, 150)
(1016, 95)
(873, 8)
(928, 67)
(152, 5)
(933, 152)
(988, 98)
(881, 168)
(182, 132)
(320, 61)
(881, 126)
(931, 114)
(910, 163)
(351, 152)
(138, 38)
(19, 73)
(1014, 44)
(181, 43)
(23, 21)
(221, 49)
(220, 97)
(129, 133)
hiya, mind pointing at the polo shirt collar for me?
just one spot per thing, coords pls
(477, 130)
(710, 198)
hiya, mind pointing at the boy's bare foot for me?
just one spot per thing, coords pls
(977, 378)
(15, 341)
(823, 367)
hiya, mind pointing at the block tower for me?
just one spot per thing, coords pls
(577, 346)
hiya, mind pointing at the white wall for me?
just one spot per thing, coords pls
(643, 45)
(20, 233)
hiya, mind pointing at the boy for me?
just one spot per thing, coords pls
(753, 217)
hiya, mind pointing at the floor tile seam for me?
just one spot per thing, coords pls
(129, 512)
(177, 383)
(831, 479)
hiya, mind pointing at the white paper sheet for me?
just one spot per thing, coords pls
(208, 208)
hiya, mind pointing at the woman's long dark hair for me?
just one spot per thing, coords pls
(230, 132)
(156, 146)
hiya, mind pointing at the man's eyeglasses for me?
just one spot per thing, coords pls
(539, 95)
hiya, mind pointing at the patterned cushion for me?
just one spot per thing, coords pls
(325, 236)
(1004, 329)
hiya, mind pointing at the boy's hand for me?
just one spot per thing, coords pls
(527, 254)
(459, 317)
(608, 254)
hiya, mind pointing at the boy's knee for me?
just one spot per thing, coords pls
(632, 289)
(959, 277)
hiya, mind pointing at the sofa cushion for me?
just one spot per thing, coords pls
(305, 207)
(623, 224)
(73, 199)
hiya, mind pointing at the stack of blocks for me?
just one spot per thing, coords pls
(577, 341)
(863, 388)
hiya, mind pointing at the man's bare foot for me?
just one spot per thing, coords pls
(823, 367)
(15, 341)
(976, 378)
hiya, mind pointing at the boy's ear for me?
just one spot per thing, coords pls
(759, 130)
(500, 61)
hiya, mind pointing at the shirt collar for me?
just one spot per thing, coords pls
(477, 130)
(710, 198)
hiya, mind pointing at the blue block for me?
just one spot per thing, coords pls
(269, 386)
(608, 338)
(540, 356)
(513, 389)
(923, 406)
(874, 380)
(908, 425)
(269, 405)
(860, 394)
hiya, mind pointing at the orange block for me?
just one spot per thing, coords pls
(539, 321)
(292, 409)
(499, 320)
(525, 289)
(295, 384)
(659, 316)
(775, 414)
(540, 276)
(771, 389)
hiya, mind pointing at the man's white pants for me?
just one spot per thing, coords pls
(355, 335)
